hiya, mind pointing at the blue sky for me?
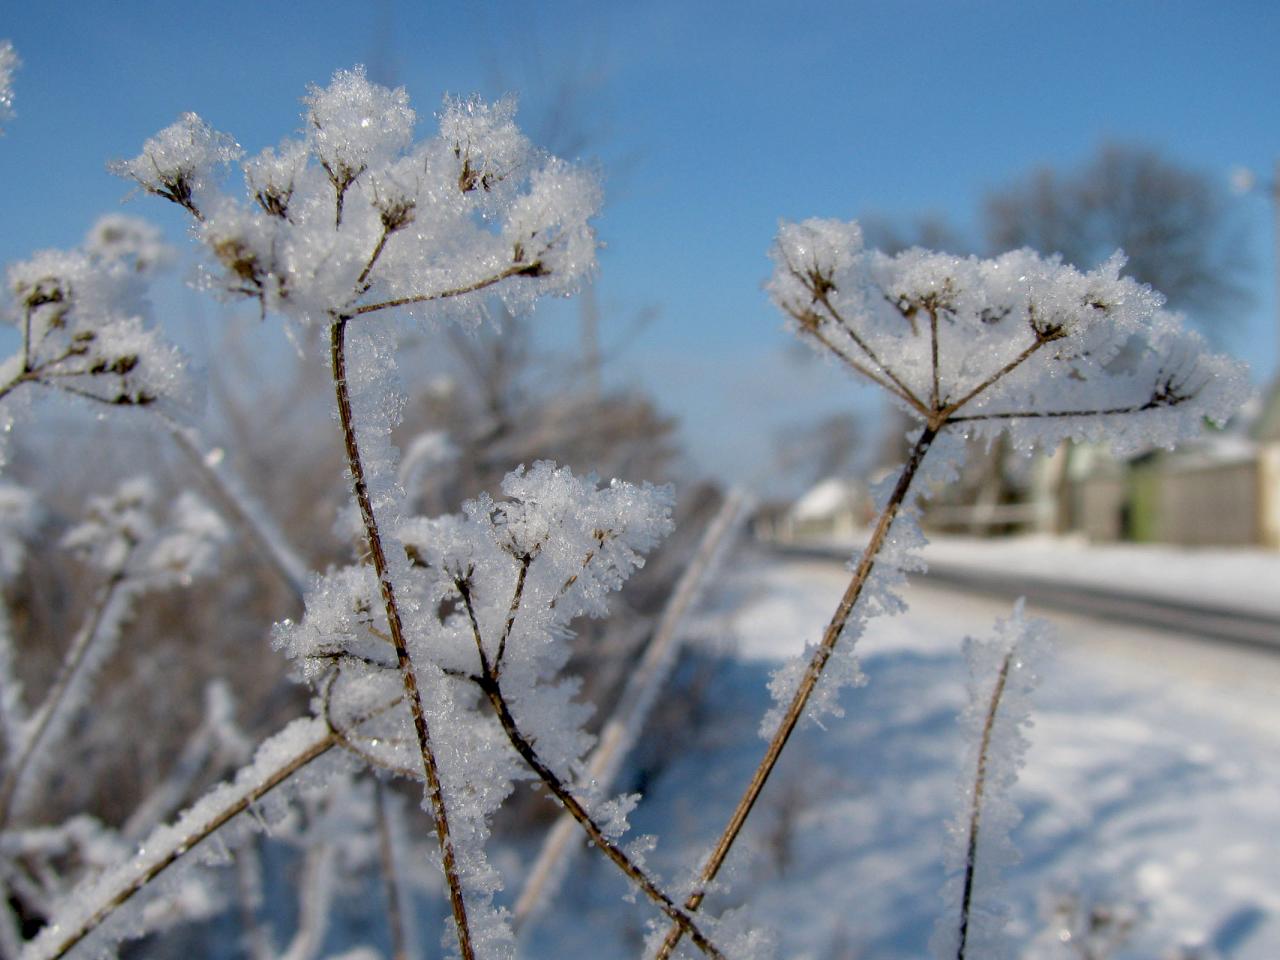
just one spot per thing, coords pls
(709, 122)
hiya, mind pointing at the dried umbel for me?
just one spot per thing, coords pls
(312, 237)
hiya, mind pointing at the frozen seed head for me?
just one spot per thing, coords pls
(179, 161)
(357, 218)
(354, 124)
(1018, 343)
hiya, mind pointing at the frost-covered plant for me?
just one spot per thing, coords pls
(1020, 346)
(452, 634)
(82, 315)
(1003, 671)
(132, 551)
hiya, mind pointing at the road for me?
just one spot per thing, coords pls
(1185, 617)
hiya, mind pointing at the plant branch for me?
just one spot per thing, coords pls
(975, 813)
(192, 828)
(809, 324)
(373, 258)
(517, 597)
(1151, 404)
(936, 401)
(515, 270)
(821, 296)
(1004, 371)
(408, 676)
(683, 922)
(817, 664)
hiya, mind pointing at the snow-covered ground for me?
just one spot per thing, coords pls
(1247, 579)
(1153, 784)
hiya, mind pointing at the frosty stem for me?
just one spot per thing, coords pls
(817, 663)
(409, 678)
(178, 846)
(975, 811)
(489, 682)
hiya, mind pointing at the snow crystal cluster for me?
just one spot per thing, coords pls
(121, 535)
(83, 318)
(356, 216)
(492, 592)
(972, 348)
(1018, 343)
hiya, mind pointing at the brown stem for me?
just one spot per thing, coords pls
(515, 270)
(936, 402)
(373, 258)
(235, 806)
(975, 813)
(818, 662)
(1049, 414)
(680, 918)
(517, 597)
(409, 678)
(1008, 368)
(821, 297)
(864, 370)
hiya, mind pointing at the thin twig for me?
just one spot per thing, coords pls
(515, 270)
(435, 794)
(1004, 371)
(1049, 414)
(820, 296)
(817, 663)
(373, 258)
(307, 752)
(975, 813)
(643, 683)
(936, 401)
(517, 597)
(858, 367)
(683, 922)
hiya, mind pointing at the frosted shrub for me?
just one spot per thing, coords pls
(1018, 345)
(437, 657)
(438, 654)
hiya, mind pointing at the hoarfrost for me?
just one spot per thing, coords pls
(1003, 672)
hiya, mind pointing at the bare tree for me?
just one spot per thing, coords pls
(1173, 223)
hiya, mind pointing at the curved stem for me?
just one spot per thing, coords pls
(975, 812)
(817, 664)
(179, 840)
(515, 270)
(409, 678)
(683, 922)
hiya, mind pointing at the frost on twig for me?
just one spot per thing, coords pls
(132, 553)
(106, 908)
(82, 316)
(496, 588)
(357, 218)
(1018, 345)
(1003, 672)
